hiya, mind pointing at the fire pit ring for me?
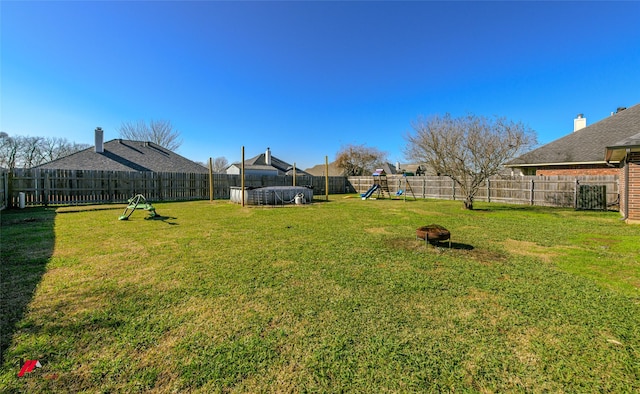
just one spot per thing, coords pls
(433, 234)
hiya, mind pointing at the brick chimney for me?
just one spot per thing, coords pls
(99, 140)
(580, 122)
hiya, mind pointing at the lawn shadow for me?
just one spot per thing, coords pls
(28, 241)
(163, 219)
(461, 246)
(454, 245)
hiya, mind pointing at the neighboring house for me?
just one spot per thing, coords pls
(320, 170)
(627, 152)
(334, 170)
(389, 168)
(125, 155)
(401, 168)
(583, 151)
(264, 164)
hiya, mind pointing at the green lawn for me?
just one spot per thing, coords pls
(336, 296)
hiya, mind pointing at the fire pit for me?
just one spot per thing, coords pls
(433, 234)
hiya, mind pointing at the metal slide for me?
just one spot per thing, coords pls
(370, 191)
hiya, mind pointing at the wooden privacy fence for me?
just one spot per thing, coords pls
(72, 187)
(557, 191)
(4, 189)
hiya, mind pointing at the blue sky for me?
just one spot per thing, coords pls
(305, 78)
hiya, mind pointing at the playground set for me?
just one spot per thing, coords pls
(138, 202)
(381, 187)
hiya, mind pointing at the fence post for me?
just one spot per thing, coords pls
(46, 188)
(531, 199)
(5, 188)
(576, 186)
(453, 189)
(488, 190)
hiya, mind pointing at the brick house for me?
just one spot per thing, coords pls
(125, 155)
(627, 152)
(608, 147)
(583, 151)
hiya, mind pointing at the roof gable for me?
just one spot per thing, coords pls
(586, 145)
(260, 162)
(321, 169)
(127, 155)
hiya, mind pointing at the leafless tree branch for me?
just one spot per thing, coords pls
(467, 149)
(160, 132)
(357, 160)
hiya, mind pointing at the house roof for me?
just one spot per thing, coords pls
(127, 155)
(387, 167)
(319, 170)
(334, 170)
(404, 167)
(587, 145)
(259, 162)
(618, 151)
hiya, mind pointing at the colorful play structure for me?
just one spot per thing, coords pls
(381, 187)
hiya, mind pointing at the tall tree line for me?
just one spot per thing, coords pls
(25, 152)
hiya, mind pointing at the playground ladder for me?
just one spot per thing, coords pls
(381, 180)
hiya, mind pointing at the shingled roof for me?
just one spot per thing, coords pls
(587, 145)
(266, 161)
(618, 151)
(127, 155)
(320, 169)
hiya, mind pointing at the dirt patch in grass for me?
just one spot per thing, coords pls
(529, 249)
(423, 212)
(377, 230)
(415, 245)
(522, 346)
(482, 256)
(485, 256)
(603, 243)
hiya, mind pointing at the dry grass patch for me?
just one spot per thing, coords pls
(426, 213)
(377, 230)
(530, 249)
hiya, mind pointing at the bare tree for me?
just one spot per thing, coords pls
(220, 164)
(160, 132)
(52, 148)
(24, 151)
(9, 150)
(356, 160)
(468, 149)
(31, 151)
(49, 148)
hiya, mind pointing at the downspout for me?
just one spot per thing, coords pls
(626, 185)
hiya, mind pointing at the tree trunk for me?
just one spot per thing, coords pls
(468, 203)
